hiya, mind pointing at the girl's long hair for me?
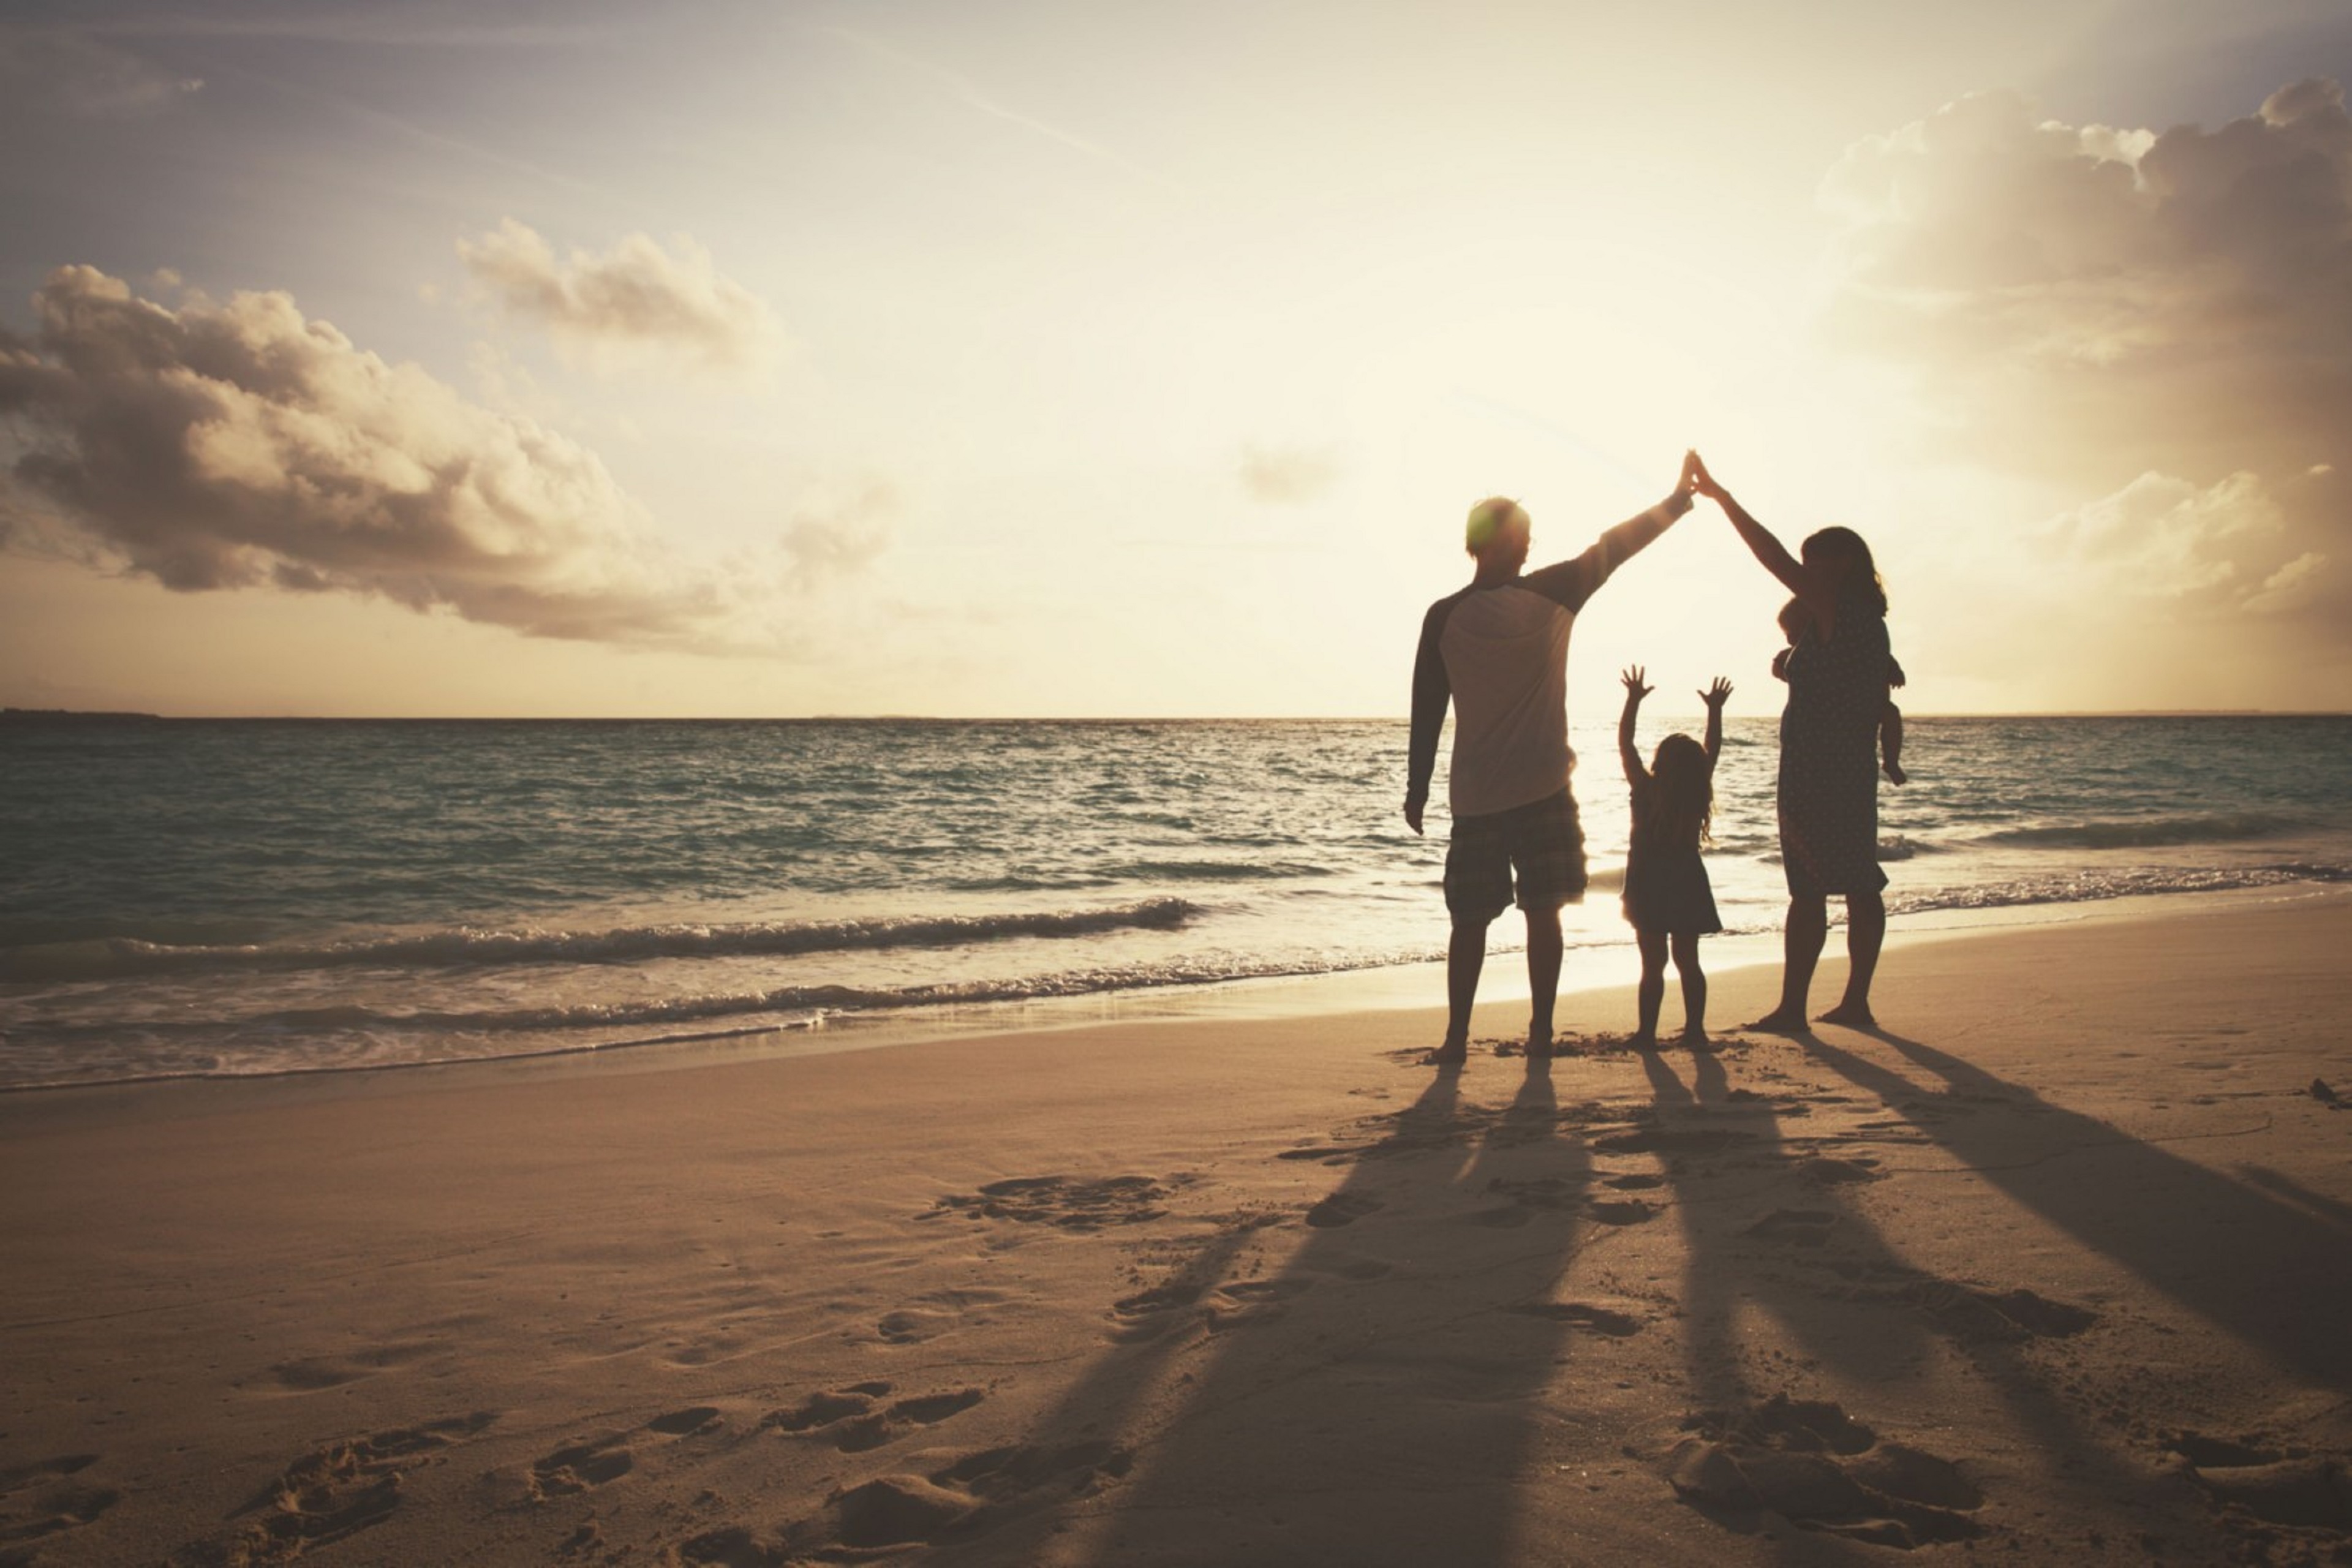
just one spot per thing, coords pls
(1677, 808)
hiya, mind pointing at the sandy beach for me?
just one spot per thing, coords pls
(2053, 1269)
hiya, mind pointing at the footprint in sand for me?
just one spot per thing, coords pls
(1071, 1203)
(1794, 1227)
(333, 1372)
(928, 1317)
(1679, 1141)
(1825, 1172)
(1342, 1208)
(967, 1499)
(824, 1409)
(42, 1500)
(854, 1422)
(581, 1467)
(1967, 1313)
(332, 1492)
(686, 1422)
(1583, 1315)
(1152, 1313)
(1817, 1466)
(2310, 1494)
(1247, 1301)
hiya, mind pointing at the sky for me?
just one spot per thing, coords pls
(987, 357)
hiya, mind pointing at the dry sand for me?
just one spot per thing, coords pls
(2054, 1270)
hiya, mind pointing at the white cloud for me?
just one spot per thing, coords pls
(2294, 586)
(2082, 299)
(2162, 321)
(1286, 476)
(842, 539)
(2162, 535)
(241, 444)
(64, 70)
(638, 300)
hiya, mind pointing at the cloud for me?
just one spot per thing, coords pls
(240, 444)
(1286, 476)
(2164, 537)
(62, 71)
(823, 544)
(2083, 299)
(2162, 321)
(638, 301)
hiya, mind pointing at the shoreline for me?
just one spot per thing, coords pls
(1390, 988)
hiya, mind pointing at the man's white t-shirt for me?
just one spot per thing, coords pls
(1500, 655)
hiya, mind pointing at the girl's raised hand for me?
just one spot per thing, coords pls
(1716, 696)
(1635, 689)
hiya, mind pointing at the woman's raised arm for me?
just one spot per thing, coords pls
(1806, 585)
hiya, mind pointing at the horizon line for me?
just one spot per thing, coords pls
(21, 715)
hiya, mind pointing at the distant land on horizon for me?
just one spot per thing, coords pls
(78, 716)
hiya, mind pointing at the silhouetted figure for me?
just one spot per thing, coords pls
(1668, 898)
(1499, 651)
(1795, 619)
(1838, 672)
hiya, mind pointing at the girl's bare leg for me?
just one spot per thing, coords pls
(1652, 989)
(1685, 950)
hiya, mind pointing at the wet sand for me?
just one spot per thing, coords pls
(2056, 1267)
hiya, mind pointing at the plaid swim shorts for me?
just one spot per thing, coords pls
(1542, 842)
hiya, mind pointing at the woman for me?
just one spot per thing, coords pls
(1838, 677)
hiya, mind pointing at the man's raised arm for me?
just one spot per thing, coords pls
(1571, 583)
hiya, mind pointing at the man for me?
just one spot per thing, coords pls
(1499, 651)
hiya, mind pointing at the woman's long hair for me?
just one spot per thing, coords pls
(1860, 574)
(1677, 808)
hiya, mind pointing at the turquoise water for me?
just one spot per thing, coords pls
(217, 897)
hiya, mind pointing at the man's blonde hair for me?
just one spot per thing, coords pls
(1489, 520)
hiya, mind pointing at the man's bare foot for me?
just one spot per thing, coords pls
(1538, 1047)
(1852, 1014)
(1451, 1054)
(1781, 1021)
(1641, 1041)
(1696, 1041)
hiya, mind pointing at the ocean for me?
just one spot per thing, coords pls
(221, 898)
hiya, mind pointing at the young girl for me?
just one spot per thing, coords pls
(1667, 896)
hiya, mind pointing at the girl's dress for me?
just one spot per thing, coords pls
(1829, 754)
(1666, 888)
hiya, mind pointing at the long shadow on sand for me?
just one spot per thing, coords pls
(2261, 1270)
(1392, 1368)
(1771, 1229)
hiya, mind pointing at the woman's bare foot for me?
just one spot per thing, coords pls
(1642, 1042)
(1451, 1054)
(1539, 1047)
(1781, 1021)
(1852, 1014)
(1696, 1041)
